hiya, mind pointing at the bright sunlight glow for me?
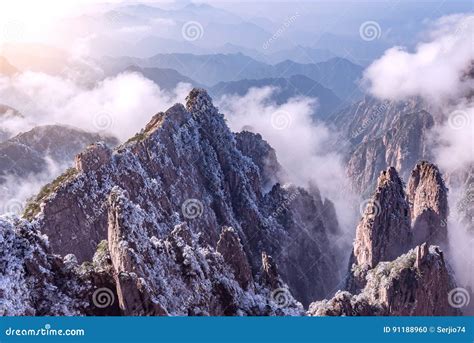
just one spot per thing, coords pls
(30, 20)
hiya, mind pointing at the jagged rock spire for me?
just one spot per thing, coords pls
(231, 249)
(384, 231)
(417, 283)
(428, 198)
(199, 102)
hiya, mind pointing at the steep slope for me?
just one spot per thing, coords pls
(417, 283)
(395, 221)
(386, 277)
(401, 146)
(428, 198)
(383, 134)
(133, 274)
(384, 231)
(185, 167)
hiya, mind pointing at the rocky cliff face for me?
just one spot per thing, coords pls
(387, 277)
(384, 232)
(465, 205)
(187, 218)
(417, 283)
(428, 198)
(187, 209)
(383, 134)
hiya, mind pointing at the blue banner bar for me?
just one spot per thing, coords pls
(237, 330)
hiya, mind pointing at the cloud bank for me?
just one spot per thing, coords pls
(436, 70)
(119, 105)
(300, 143)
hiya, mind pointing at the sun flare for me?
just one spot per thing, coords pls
(26, 20)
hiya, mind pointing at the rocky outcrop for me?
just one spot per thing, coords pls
(383, 134)
(264, 156)
(415, 284)
(230, 247)
(94, 157)
(428, 198)
(131, 274)
(35, 282)
(270, 274)
(178, 183)
(384, 232)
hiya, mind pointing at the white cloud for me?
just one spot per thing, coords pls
(438, 72)
(301, 144)
(120, 105)
(433, 71)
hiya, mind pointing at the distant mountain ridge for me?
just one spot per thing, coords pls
(167, 79)
(26, 153)
(338, 74)
(286, 88)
